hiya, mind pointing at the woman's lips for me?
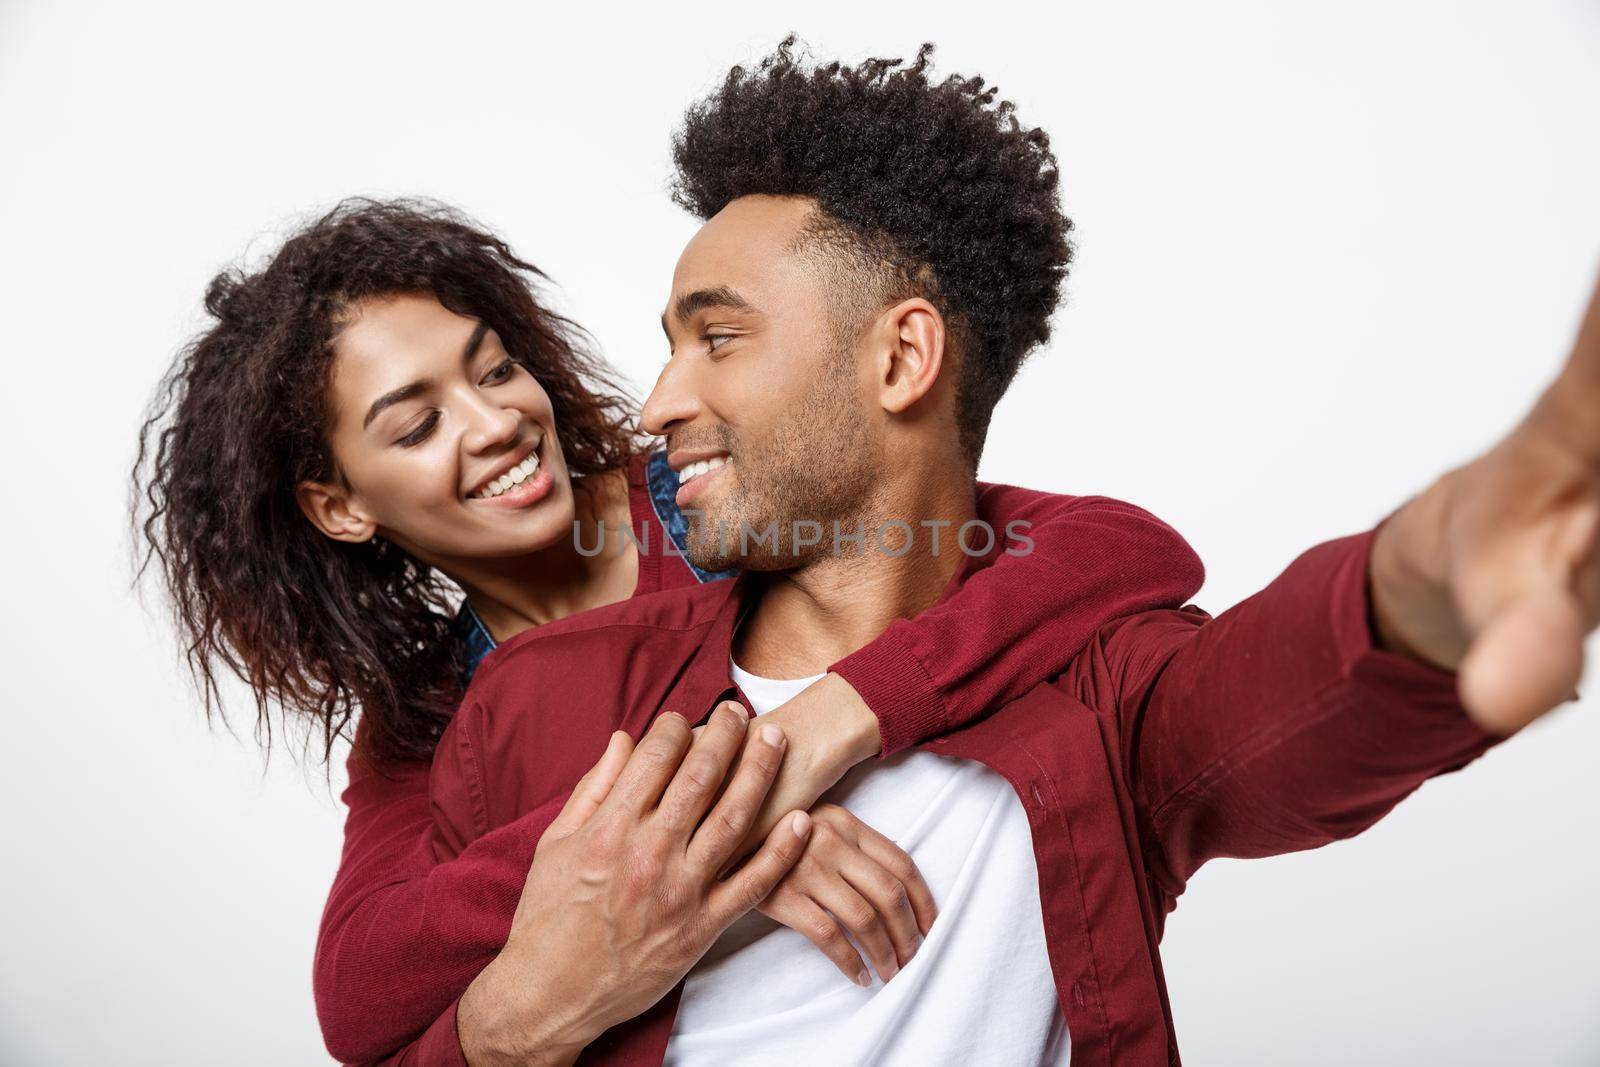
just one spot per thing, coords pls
(531, 491)
(697, 485)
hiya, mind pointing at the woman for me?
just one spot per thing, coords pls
(386, 410)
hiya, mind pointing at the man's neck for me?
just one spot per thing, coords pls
(808, 618)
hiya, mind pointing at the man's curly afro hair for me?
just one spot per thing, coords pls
(933, 182)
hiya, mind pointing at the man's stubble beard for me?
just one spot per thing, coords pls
(817, 466)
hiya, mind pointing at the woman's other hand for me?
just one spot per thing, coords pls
(853, 879)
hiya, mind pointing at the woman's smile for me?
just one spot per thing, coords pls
(515, 485)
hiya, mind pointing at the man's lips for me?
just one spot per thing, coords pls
(695, 486)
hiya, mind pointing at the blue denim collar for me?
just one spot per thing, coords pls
(662, 484)
(475, 638)
(662, 481)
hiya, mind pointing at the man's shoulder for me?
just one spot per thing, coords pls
(1000, 497)
(1094, 530)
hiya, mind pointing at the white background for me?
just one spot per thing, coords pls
(1325, 252)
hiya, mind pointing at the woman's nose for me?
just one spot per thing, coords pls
(491, 426)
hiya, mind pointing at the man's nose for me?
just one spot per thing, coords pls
(672, 402)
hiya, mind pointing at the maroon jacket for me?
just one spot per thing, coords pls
(1172, 738)
(402, 935)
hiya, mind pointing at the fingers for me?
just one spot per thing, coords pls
(703, 770)
(717, 839)
(1568, 404)
(1585, 357)
(893, 918)
(755, 881)
(1527, 660)
(805, 917)
(654, 761)
(863, 920)
(899, 864)
(593, 788)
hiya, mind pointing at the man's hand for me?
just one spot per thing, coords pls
(624, 896)
(1493, 571)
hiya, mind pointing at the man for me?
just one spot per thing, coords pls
(880, 252)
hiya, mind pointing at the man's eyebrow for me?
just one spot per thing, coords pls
(700, 299)
(406, 392)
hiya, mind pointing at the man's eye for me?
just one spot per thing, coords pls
(420, 434)
(713, 339)
(500, 373)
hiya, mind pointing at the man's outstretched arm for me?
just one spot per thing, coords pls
(1307, 711)
(1278, 726)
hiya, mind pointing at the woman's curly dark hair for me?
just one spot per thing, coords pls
(321, 627)
(934, 180)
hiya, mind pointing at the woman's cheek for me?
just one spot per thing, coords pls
(425, 484)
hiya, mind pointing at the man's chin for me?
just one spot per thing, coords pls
(707, 555)
(704, 550)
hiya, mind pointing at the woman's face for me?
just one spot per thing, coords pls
(447, 447)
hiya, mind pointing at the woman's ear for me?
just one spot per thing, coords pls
(329, 509)
(915, 354)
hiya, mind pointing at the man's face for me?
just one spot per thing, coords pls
(764, 379)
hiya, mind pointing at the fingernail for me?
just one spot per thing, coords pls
(801, 823)
(744, 713)
(772, 735)
(863, 979)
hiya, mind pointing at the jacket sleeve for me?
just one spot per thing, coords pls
(403, 934)
(1070, 565)
(439, 1046)
(1277, 726)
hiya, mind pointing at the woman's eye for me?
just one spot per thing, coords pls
(500, 373)
(420, 434)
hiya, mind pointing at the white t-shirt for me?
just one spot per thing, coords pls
(978, 991)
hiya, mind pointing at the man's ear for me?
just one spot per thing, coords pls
(329, 509)
(915, 356)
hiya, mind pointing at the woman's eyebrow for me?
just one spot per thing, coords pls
(392, 397)
(406, 392)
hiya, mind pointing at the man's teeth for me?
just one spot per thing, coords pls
(694, 470)
(510, 479)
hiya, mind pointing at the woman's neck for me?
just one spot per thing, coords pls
(516, 594)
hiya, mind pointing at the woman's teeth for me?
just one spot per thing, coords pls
(510, 479)
(694, 470)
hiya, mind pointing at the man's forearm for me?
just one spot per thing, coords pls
(506, 1019)
(1278, 725)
